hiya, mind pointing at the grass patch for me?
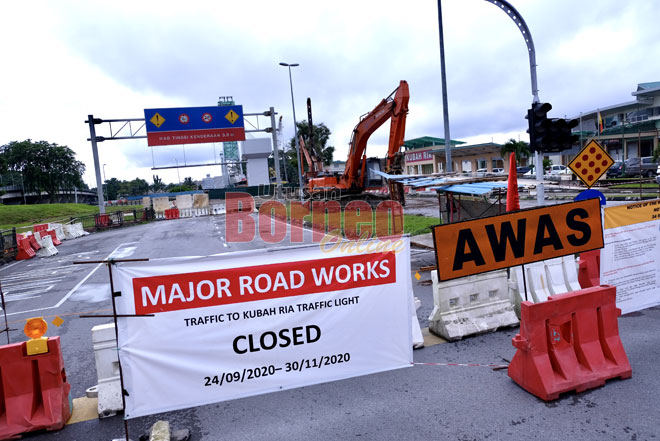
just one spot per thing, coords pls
(27, 215)
(415, 225)
(633, 186)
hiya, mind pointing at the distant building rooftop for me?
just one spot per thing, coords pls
(427, 141)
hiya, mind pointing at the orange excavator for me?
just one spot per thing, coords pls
(354, 177)
(314, 164)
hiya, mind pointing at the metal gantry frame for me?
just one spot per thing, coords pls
(135, 133)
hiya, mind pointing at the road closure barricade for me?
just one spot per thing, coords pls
(74, 230)
(108, 386)
(184, 202)
(217, 209)
(470, 305)
(569, 343)
(589, 270)
(53, 237)
(543, 279)
(102, 220)
(59, 231)
(34, 392)
(172, 213)
(25, 251)
(33, 242)
(39, 227)
(46, 243)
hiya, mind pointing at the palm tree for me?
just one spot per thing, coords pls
(520, 148)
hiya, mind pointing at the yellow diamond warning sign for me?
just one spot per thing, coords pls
(591, 163)
(157, 120)
(231, 116)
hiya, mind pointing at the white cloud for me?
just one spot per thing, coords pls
(68, 59)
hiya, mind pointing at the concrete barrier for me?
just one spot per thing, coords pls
(200, 205)
(184, 202)
(471, 305)
(108, 387)
(160, 205)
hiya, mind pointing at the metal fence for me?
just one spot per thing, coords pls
(97, 222)
(8, 245)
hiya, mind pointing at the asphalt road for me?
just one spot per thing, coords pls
(421, 402)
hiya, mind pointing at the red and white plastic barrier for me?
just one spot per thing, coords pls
(35, 392)
(569, 343)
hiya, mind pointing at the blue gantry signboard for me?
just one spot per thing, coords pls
(194, 125)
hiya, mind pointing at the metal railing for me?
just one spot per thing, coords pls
(98, 222)
(8, 245)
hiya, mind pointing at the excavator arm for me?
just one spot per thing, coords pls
(395, 107)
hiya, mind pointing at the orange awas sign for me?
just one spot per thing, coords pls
(480, 245)
(591, 163)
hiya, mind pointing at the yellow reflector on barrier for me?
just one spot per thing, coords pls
(35, 328)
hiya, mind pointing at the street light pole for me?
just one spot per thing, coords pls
(104, 182)
(295, 128)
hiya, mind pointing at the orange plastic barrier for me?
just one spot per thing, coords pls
(39, 227)
(33, 242)
(589, 268)
(102, 220)
(53, 236)
(172, 213)
(571, 342)
(34, 393)
(25, 251)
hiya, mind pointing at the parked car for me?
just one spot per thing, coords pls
(498, 171)
(643, 166)
(522, 169)
(616, 170)
(558, 170)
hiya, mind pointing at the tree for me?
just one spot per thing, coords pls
(112, 187)
(520, 148)
(136, 187)
(158, 184)
(45, 167)
(189, 183)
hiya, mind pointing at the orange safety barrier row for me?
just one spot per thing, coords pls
(589, 268)
(34, 393)
(172, 213)
(569, 343)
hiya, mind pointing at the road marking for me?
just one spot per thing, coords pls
(4, 267)
(66, 297)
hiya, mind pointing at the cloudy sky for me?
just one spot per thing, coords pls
(64, 60)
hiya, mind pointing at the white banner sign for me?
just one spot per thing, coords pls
(240, 324)
(631, 257)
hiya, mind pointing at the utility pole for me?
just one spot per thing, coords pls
(514, 15)
(445, 104)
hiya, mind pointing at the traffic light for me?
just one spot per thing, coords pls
(538, 125)
(560, 135)
(549, 135)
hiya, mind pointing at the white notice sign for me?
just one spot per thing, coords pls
(240, 324)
